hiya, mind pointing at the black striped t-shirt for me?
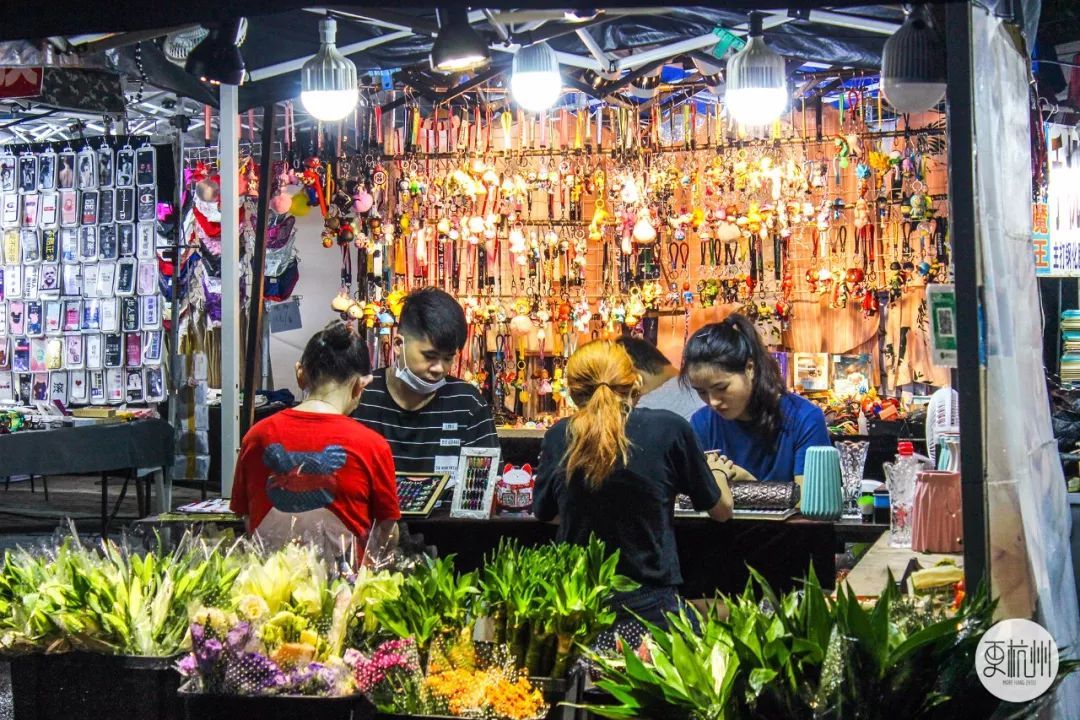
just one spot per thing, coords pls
(456, 417)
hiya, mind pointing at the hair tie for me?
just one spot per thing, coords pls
(608, 386)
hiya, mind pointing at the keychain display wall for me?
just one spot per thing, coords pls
(554, 229)
(81, 311)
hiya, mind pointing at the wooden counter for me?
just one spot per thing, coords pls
(870, 574)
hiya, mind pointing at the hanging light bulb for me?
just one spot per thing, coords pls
(913, 64)
(458, 46)
(535, 81)
(756, 87)
(328, 88)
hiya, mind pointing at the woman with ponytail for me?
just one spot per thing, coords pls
(614, 470)
(762, 429)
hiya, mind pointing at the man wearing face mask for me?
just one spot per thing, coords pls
(426, 415)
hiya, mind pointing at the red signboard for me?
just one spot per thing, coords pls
(20, 82)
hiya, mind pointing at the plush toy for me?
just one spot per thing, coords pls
(514, 490)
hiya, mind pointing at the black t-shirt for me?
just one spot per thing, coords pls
(634, 508)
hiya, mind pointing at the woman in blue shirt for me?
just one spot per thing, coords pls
(751, 418)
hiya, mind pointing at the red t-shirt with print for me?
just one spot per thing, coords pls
(296, 463)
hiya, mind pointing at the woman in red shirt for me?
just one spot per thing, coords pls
(312, 472)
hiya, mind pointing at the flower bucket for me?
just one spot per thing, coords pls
(92, 686)
(200, 706)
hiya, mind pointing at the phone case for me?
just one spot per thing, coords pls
(7, 387)
(133, 349)
(90, 207)
(5, 357)
(50, 246)
(54, 311)
(154, 384)
(78, 393)
(146, 170)
(125, 238)
(71, 280)
(88, 243)
(105, 166)
(114, 386)
(125, 205)
(69, 208)
(65, 171)
(30, 207)
(97, 387)
(133, 386)
(106, 279)
(150, 312)
(12, 281)
(125, 167)
(28, 171)
(9, 211)
(125, 277)
(94, 352)
(87, 175)
(129, 314)
(147, 282)
(20, 358)
(58, 387)
(145, 241)
(3, 319)
(147, 205)
(91, 315)
(16, 317)
(38, 354)
(107, 242)
(73, 351)
(49, 216)
(35, 322)
(90, 280)
(12, 249)
(30, 241)
(31, 277)
(71, 317)
(47, 171)
(49, 283)
(110, 316)
(106, 206)
(41, 387)
(9, 181)
(54, 353)
(114, 357)
(25, 385)
(69, 245)
(152, 347)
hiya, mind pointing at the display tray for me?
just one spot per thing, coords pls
(740, 514)
(418, 492)
(200, 706)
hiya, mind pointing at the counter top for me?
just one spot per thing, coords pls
(871, 573)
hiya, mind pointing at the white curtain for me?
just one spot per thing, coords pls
(1030, 558)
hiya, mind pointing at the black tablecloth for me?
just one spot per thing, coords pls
(87, 449)
(714, 557)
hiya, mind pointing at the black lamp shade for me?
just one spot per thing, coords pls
(458, 46)
(217, 58)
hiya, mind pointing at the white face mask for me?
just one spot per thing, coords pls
(415, 383)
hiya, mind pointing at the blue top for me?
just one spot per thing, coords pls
(802, 426)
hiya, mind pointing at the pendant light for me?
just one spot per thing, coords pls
(458, 46)
(913, 64)
(535, 81)
(217, 58)
(756, 86)
(328, 88)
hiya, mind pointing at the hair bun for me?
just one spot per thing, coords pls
(338, 337)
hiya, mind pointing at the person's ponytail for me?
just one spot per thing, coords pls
(601, 380)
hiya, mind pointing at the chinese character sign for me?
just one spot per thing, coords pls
(1056, 223)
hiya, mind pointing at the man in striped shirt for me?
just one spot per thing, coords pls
(426, 415)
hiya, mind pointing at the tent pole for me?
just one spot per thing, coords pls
(258, 270)
(962, 221)
(228, 153)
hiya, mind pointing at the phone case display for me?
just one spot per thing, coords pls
(477, 474)
(81, 303)
(418, 493)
